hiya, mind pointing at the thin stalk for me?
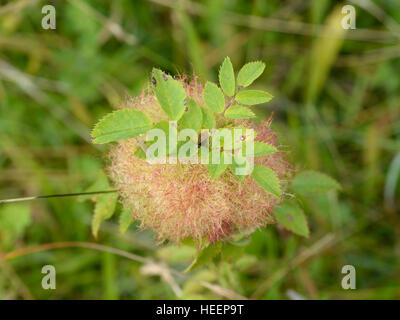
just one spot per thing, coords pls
(55, 196)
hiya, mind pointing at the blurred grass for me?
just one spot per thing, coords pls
(337, 109)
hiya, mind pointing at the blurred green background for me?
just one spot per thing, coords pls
(336, 109)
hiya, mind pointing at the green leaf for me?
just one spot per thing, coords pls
(267, 179)
(105, 202)
(250, 72)
(250, 97)
(312, 182)
(260, 149)
(205, 256)
(227, 77)
(104, 209)
(263, 149)
(292, 217)
(239, 112)
(192, 118)
(121, 124)
(208, 119)
(125, 220)
(213, 97)
(170, 94)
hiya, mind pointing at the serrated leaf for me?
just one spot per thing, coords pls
(205, 256)
(103, 210)
(250, 72)
(125, 220)
(170, 94)
(227, 77)
(213, 97)
(192, 118)
(260, 149)
(250, 97)
(267, 179)
(292, 217)
(209, 121)
(119, 125)
(312, 182)
(239, 112)
(263, 149)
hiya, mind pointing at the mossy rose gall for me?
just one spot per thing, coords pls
(205, 202)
